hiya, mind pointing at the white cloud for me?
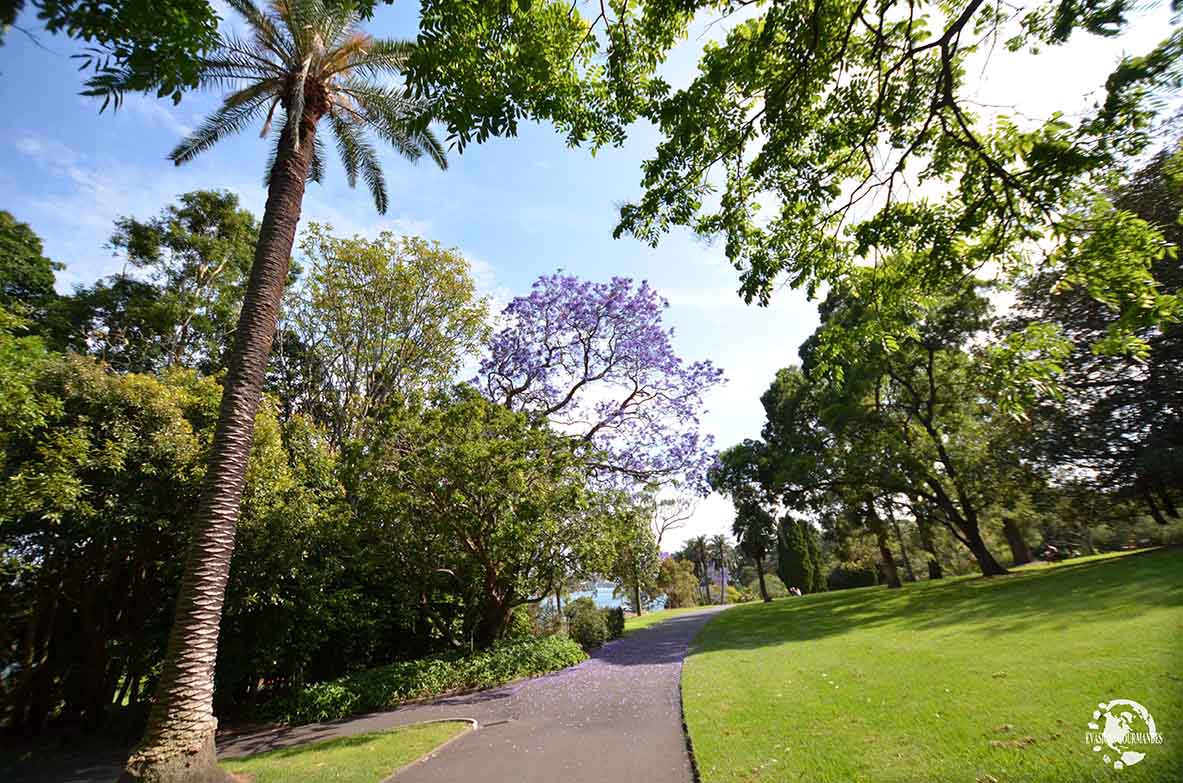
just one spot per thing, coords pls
(157, 112)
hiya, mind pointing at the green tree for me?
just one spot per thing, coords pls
(198, 254)
(824, 108)
(722, 557)
(677, 580)
(794, 565)
(26, 275)
(497, 493)
(312, 63)
(382, 319)
(634, 567)
(755, 530)
(818, 570)
(1115, 427)
(699, 552)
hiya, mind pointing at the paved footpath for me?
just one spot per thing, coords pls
(615, 717)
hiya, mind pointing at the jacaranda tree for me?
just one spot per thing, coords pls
(596, 361)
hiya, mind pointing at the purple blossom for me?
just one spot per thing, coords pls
(595, 360)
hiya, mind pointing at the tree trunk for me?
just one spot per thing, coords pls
(1148, 496)
(900, 539)
(706, 582)
(891, 576)
(934, 562)
(178, 744)
(760, 574)
(986, 562)
(1020, 552)
(637, 596)
(491, 626)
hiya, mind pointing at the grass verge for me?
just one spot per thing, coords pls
(365, 758)
(970, 679)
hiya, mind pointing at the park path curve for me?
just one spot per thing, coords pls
(616, 716)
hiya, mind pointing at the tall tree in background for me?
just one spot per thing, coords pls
(305, 62)
(722, 558)
(755, 531)
(794, 565)
(198, 253)
(374, 320)
(700, 553)
(635, 565)
(1119, 427)
(26, 276)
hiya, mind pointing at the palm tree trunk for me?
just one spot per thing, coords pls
(178, 745)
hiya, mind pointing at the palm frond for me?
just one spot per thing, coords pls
(227, 68)
(358, 156)
(266, 34)
(237, 111)
(382, 57)
(400, 122)
(316, 167)
(273, 153)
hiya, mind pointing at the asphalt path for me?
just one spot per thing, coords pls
(615, 717)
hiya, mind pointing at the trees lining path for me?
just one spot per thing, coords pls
(617, 716)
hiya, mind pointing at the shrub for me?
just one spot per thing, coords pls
(588, 627)
(386, 687)
(739, 595)
(849, 575)
(614, 619)
(521, 623)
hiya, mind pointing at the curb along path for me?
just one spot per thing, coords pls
(617, 716)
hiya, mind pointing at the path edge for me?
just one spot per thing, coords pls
(695, 775)
(473, 725)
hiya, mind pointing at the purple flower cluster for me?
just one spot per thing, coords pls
(595, 360)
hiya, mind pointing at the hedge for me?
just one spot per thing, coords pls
(386, 687)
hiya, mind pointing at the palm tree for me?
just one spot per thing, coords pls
(755, 531)
(304, 61)
(719, 554)
(699, 547)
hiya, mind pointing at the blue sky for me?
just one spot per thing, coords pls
(517, 208)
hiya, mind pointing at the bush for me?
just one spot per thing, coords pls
(386, 687)
(521, 623)
(740, 595)
(588, 628)
(614, 619)
(849, 575)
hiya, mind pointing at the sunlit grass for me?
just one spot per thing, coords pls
(365, 758)
(969, 679)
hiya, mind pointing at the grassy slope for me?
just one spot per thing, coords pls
(366, 758)
(965, 679)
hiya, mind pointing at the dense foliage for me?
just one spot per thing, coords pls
(389, 515)
(386, 687)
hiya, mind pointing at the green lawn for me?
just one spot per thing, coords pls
(365, 758)
(634, 623)
(970, 679)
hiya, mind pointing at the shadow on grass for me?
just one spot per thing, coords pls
(1050, 598)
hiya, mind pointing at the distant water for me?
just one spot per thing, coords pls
(604, 598)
